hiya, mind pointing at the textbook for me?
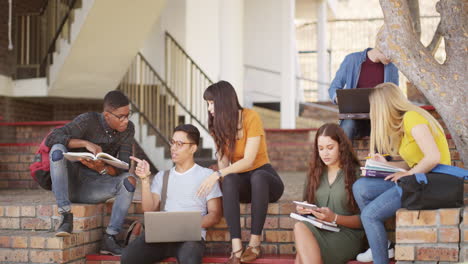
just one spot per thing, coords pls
(76, 156)
(374, 173)
(316, 222)
(374, 168)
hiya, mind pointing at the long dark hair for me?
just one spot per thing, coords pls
(223, 125)
(348, 163)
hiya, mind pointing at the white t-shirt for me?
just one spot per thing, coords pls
(182, 190)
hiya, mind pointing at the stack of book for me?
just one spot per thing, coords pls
(374, 168)
(316, 222)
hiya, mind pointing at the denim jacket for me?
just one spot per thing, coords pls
(347, 75)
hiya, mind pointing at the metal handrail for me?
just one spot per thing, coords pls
(172, 93)
(37, 34)
(188, 56)
(51, 48)
(135, 108)
(186, 81)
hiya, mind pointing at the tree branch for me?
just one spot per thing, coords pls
(435, 42)
(453, 26)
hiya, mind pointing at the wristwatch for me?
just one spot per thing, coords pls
(103, 171)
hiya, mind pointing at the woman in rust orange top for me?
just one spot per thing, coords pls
(244, 166)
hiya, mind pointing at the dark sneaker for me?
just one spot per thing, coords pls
(66, 227)
(110, 246)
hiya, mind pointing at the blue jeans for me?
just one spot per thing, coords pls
(73, 182)
(378, 200)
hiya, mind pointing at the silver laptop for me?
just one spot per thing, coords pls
(172, 226)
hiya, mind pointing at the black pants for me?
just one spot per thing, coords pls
(259, 187)
(140, 252)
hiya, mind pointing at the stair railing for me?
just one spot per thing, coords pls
(36, 36)
(186, 80)
(157, 104)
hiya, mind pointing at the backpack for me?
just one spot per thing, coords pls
(40, 168)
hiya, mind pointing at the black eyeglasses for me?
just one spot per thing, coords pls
(121, 117)
(178, 143)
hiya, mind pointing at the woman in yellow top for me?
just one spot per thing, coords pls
(398, 128)
(244, 166)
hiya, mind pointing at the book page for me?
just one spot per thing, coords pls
(376, 165)
(76, 156)
(112, 161)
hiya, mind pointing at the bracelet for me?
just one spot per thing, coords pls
(336, 217)
(103, 171)
(145, 178)
(220, 175)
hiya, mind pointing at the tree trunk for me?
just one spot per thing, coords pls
(444, 85)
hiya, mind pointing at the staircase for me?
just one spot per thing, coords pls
(158, 110)
(74, 52)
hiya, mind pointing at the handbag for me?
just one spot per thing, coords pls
(440, 188)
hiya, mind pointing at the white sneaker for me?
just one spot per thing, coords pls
(367, 256)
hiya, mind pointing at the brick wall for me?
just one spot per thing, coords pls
(45, 109)
(19, 6)
(290, 149)
(430, 236)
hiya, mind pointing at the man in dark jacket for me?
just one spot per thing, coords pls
(93, 181)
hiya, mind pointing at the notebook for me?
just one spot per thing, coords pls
(353, 103)
(316, 222)
(172, 226)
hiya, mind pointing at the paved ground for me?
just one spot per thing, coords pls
(293, 182)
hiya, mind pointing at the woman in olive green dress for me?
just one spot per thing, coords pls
(334, 168)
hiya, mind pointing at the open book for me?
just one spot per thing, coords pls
(76, 156)
(316, 222)
(374, 168)
(306, 205)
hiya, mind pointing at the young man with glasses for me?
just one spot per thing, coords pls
(92, 181)
(184, 181)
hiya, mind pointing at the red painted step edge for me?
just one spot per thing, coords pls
(428, 107)
(279, 259)
(35, 123)
(18, 144)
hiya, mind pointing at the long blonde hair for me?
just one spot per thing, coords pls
(387, 107)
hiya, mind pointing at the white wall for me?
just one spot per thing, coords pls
(262, 49)
(172, 19)
(202, 35)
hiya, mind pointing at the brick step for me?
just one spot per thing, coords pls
(17, 246)
(432, 235)
(36, 210)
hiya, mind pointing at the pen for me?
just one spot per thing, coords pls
(383, 155)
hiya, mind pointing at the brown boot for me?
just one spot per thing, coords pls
(234, 259)
(251, 254)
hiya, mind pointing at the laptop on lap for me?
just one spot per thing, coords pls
(172, 226)
(353, 103)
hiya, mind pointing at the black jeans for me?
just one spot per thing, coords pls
(140, 252)
(259, 187)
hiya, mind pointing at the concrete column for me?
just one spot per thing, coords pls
(231, 20)
(288, 76)
(322, 54)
